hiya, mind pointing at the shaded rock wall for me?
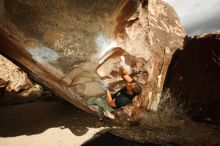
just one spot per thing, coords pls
(153, 33)
(193, 77)
(149, 31)
(60, 37)
(58, 34)
(62, 42)
(15, 86)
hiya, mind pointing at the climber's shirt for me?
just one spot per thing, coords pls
(122, 98)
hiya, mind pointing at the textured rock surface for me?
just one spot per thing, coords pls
(58, 34)
(12, 76)
(109, 65)
(84, 79)
(63, 41)
(61, 37)
(150, 31)
(65, 37)
(194, 77)
(15, 86)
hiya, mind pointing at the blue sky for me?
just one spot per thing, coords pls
(198, 16)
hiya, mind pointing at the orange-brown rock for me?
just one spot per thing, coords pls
(59, 44)
(15, 86)
(12, 76)
(150, 32)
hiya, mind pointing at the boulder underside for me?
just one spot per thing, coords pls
(60, 45)
(73, 49)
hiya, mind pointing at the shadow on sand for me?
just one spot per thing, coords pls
(34, 118)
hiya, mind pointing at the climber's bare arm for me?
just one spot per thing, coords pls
(127, 78)
(109, 99)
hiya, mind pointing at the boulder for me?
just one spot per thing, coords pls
(15, 86)
(54, 41)
(150, 32)
(109, 65)
(193, 77)
(12, 76)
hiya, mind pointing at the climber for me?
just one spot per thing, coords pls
(113, 102)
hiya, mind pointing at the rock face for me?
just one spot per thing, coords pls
(150, 31)
(15, 86)
(62, 42)
(60, 38)
(58, 35)
(12, 76)
(109, 66)
(194, 79)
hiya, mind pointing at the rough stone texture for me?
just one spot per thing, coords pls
(109, 65)
(150, 31)
(15, 86)
(58, 34)
(194, 79)
(62, 37)
(12, 76)
(84, 79)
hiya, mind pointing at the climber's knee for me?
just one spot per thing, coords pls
(92, 100)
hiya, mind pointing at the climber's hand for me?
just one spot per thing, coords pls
(122, 71)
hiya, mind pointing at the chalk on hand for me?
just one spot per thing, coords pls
(122, 61)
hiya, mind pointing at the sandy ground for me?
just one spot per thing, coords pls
(49, 123)
(57, 123)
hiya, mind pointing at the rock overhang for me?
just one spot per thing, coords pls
(64, 41)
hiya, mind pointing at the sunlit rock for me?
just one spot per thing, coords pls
(151, 32)
(64, 41)
(12, 76)
(109, 66)
(15, 86)
(59, 38)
